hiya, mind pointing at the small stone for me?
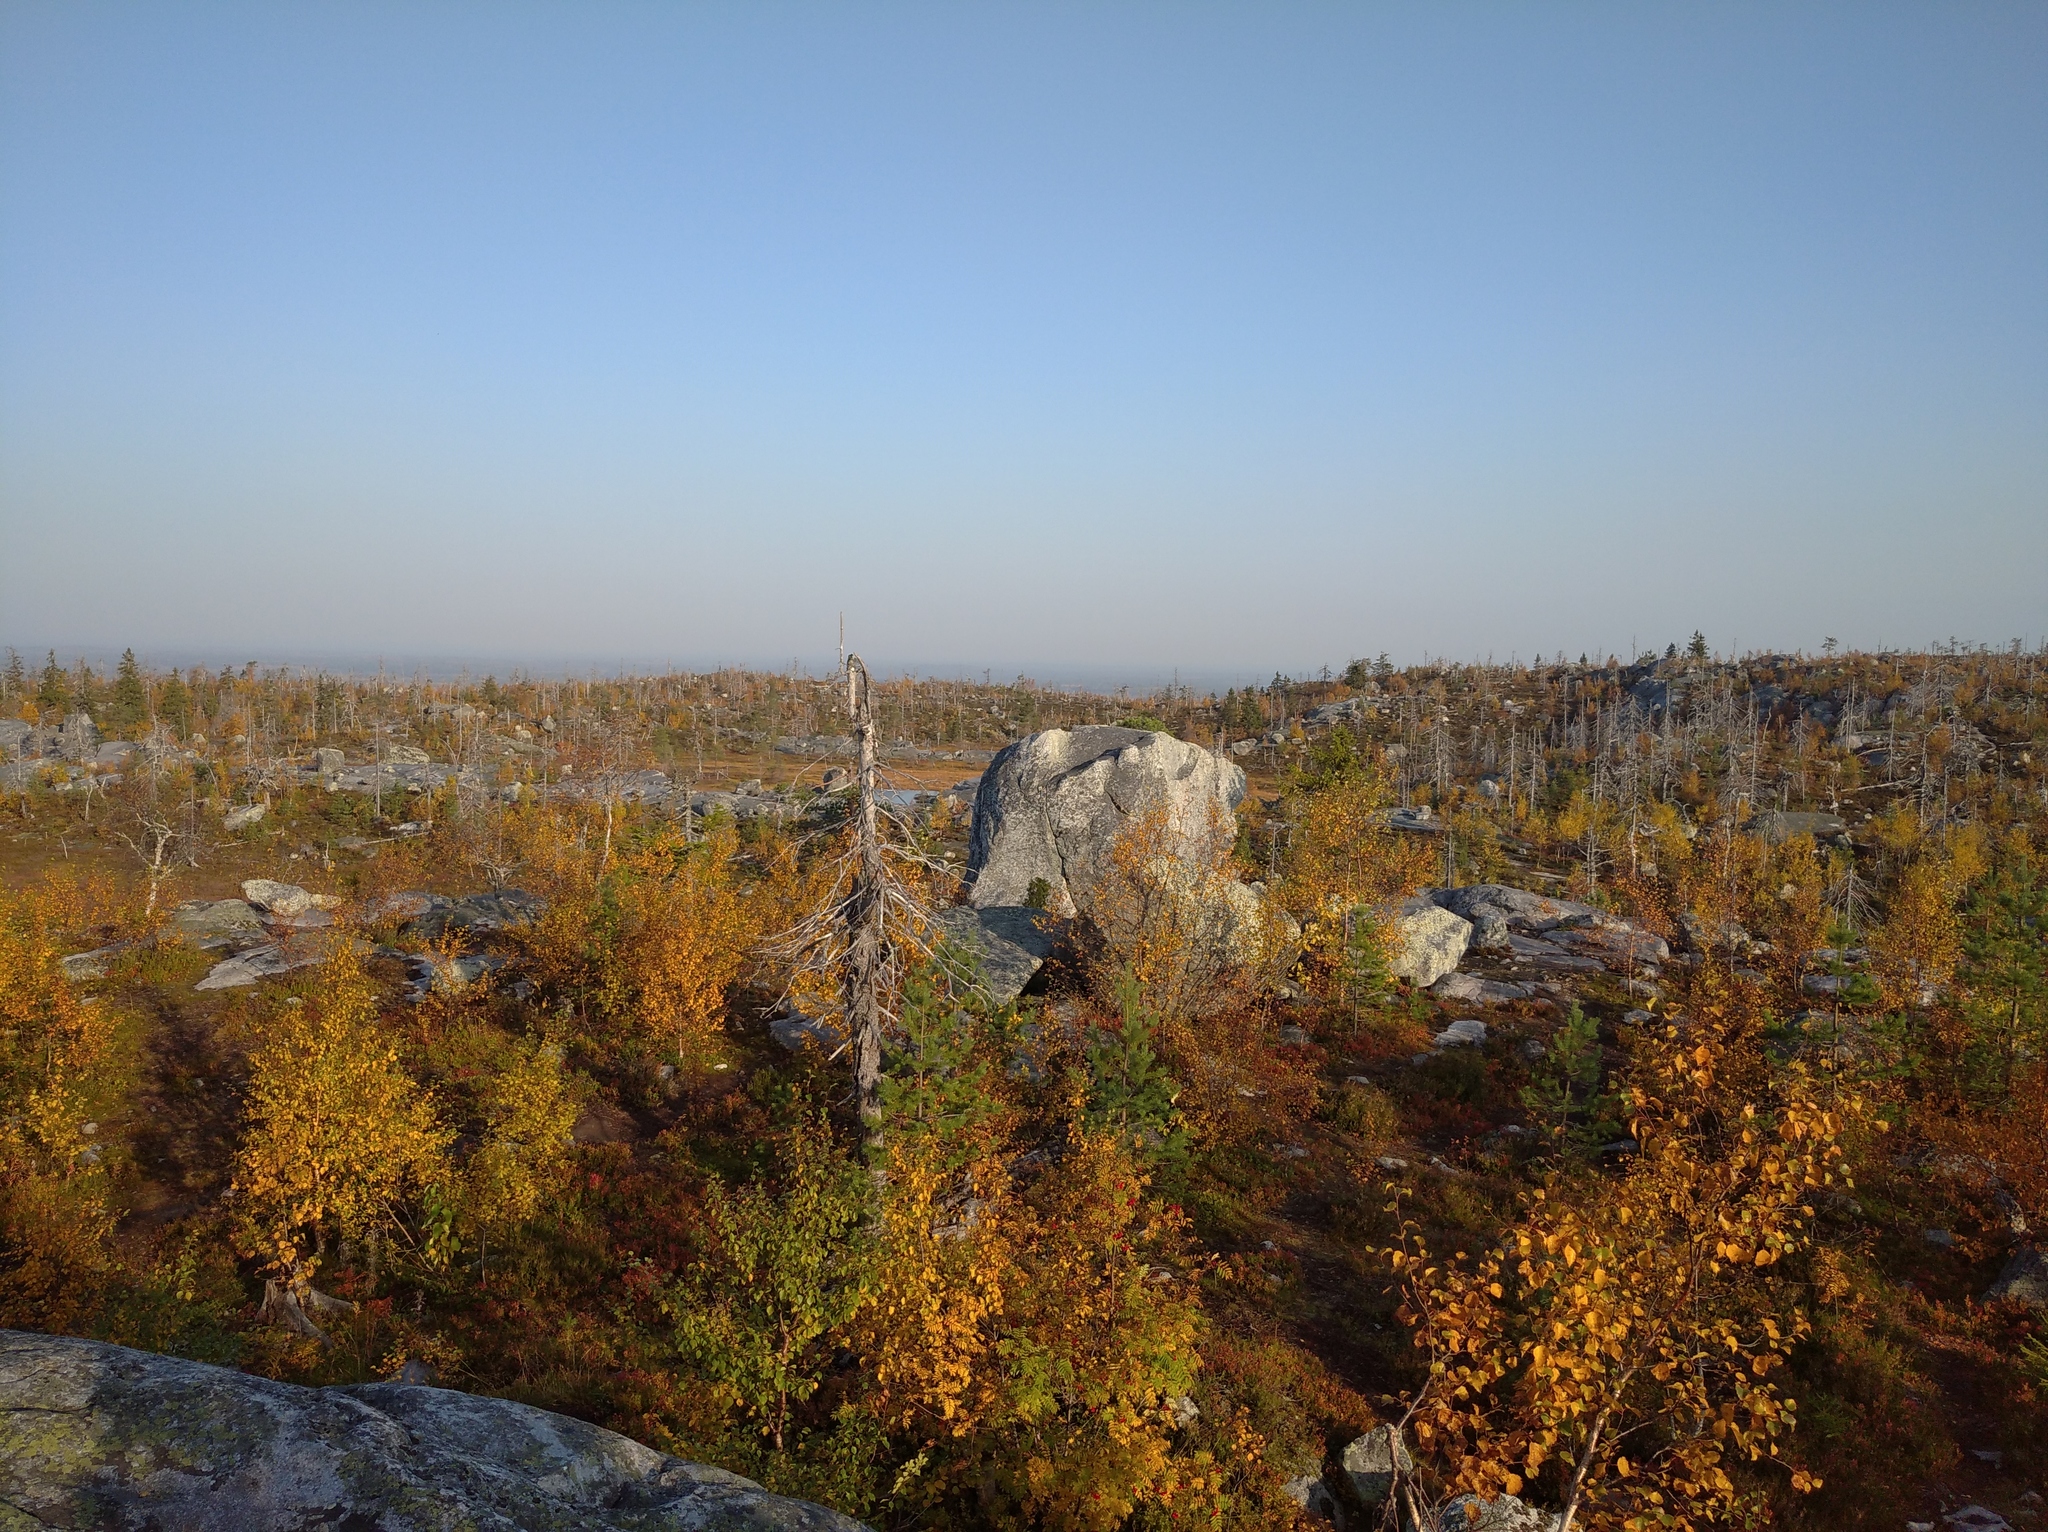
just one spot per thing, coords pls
(1940, 1237)
(242, 818)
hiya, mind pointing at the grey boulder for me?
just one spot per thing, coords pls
(2024, 1280)
(101, 1436)
(1010, 943)
(1425, 942)
(1470, 989)
(1504, 1513)
(1051, 807)
(206, 923)
(1370, 1462)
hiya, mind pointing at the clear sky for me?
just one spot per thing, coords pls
(1228, 337)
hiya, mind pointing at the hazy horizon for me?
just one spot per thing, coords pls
(1230, 339)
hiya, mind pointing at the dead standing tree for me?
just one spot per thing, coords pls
(872, 921)
(865, 910)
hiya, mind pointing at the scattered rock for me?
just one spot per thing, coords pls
(243, 817)
(479, 914)
(2024, 1280)
(1939, 1237)
(1310, 1493)
(1051, 805)
(1467, 1033)
(406, 755)
(287, 901)
(102, 1436)
(14, 733)
(210, 923)
(93, 964)
(409, 904)
(1370, 1462)
(797, 1032)
(1426, 942)
(329, 762)
(1976, 1518)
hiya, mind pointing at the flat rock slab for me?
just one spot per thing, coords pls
(93, 1435)
(302, 950)
(209, 923)
(1470, 989)
(1011, 941)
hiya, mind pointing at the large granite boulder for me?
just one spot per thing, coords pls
(80, 738)
(1051, 806)
(93, 1435)
(1424, 942)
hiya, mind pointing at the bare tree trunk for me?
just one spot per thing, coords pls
(864, 912)
(1571, 1498)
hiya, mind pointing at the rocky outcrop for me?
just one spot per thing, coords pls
(1425, 942)
(1051, 806)
(93, 1435)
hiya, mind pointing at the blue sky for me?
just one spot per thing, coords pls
(1106, 338)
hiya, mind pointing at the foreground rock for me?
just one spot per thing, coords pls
(1011, 943)
(93, 1435)
(1051, 807)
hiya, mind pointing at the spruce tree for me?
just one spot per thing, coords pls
(53, 693)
